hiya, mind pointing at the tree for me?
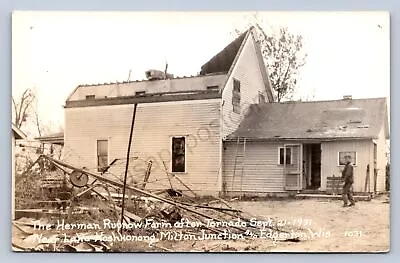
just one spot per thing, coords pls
(26, 109)
(283, 54)
(23, 107)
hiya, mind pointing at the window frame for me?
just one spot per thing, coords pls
(140, 93)
(185, 154)
(354, 163)
(90, 97)
(98, 168)
(279, 155)
(213, 87)
(261, 97)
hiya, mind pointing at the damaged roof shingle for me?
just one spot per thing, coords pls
(223, 61)
(357, 118)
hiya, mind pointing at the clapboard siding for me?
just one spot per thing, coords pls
(130, 88)
(247, 71)
(329, 161)
(261, 172)
(382, 150)
(155, 124)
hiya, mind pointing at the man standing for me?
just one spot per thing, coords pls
(348, 178)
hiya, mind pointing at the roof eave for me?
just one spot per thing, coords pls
(206, 95)
(249, 32)
(234, 138)
(17, 132)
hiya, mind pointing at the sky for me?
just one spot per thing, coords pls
(348, 53)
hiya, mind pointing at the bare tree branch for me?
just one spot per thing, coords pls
(22, 108)
(15, 111)
(38, 123)
(283, 54)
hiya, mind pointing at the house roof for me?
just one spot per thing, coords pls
(352, 118)
(18, 134)
(264, 73)
(226, 60)
(223, 61)
(54, 138)
(155, 87)
(147, 98)
(214, 74)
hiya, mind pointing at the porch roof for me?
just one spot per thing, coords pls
(54, 138)
(336, 119)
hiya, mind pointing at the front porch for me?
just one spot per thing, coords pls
(318, 194)
(302, 167)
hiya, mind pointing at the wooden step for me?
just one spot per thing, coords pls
(334, 197)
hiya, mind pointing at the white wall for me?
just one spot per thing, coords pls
(155, 124)
(12, 175)
(262, 173)
(329, 161)
(247, 71)
(382, 149)
(157, 86)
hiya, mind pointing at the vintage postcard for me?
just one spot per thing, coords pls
(201, 131)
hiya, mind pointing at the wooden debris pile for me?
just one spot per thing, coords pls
(155, 219)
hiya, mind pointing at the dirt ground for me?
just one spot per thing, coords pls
(362, 228)
(323, 225)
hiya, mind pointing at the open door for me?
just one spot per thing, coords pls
(292, 166)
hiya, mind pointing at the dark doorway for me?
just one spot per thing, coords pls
(312, 166)
(315, 150)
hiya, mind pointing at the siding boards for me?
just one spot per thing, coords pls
(329, 161)
(155, 124)
(128, 89)
(382, 150)
(247, 71)
(261, 172)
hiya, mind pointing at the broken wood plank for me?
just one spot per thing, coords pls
(117, 184)
(213, 207)
(147, 174)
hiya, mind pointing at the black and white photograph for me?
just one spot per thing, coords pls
(204, 132)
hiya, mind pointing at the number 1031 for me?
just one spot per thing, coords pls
(353, 233)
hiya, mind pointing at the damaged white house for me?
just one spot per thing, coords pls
(221, 132)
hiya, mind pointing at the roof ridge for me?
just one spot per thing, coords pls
(318, 101)
(146, 80)
(236, 45)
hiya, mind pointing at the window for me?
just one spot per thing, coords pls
(342, 155)
(236, 96)
(288, 155)
(102, 154)
(261, 98)
(212, 87)
(90, 97)
(140, 93)
(178, 155)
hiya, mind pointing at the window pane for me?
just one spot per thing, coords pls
(236, 96)
(178, 154)
(281, 156)
(236, 86)
(102, 154)
(342, 156)
(102, 147)
(288, 155)
(102, 161)
(261, 98)
(139, 93)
